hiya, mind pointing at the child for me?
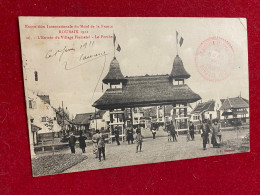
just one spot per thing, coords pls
(188, 136)
(153, 132)
(169, 136)
(139, 141)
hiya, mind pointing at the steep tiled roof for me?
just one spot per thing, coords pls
(83, 119)
(114, 73)
(236, 102)
(146, 91)
(204, 107)
(178, 70)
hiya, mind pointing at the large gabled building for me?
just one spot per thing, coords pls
(144, 91)
(234, 108)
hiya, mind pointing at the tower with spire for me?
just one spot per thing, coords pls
(114, 77)
(178, 74)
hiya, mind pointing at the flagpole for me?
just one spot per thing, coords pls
(177, 42)
(114, 44)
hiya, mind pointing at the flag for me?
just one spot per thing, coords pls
(118, 48)
(181, 41)
(114, 38)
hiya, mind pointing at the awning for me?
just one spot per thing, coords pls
(35, 128)
(240, 112)
(227, 113)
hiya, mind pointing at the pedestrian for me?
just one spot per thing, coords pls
(101, 146)
(82, 143)
(153, 132)
(130, 136)
(219, 134)
(169, 133)
(188, 138)
(205, 133)
(138, 129)
(173, 132)
(191, 129)
(139, 141)
(210, 127)
(116, 132)
(72, 143)
(215, 130)
(95, 146)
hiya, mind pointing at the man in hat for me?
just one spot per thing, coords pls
(205, 133)
(173, 132)
(117, 135)
(101, 145)
(72, 143)
(130, 136)
(191, 129)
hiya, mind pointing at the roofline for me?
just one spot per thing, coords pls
(221, 107)
(144, 104)
(230, 103)
(204, 109)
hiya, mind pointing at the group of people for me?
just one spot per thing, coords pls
(130, 137)
(214, 129)
(172, 133)
(99, 140)
(206, 129)
(81, 139)
(98, 144)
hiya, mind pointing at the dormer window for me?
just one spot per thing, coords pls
(178, 82)
(116, 85)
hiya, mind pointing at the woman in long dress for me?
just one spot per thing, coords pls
(215, 130)
(95, 145)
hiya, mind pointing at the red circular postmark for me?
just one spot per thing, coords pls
(215, 59)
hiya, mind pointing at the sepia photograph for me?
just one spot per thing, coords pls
(114, 92)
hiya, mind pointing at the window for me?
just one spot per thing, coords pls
(178, 82)
(36, 76)
(54, 118)
(32, 104)
(196, 117)
(43, 119)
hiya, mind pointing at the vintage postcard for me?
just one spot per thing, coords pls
(112, 92)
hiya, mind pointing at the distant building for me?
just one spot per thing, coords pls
(42, 117)
(204, 110)
(91, 121)
(234, 108)
(100, 121)
(82, 121)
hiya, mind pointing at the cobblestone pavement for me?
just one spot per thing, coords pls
(154, 150)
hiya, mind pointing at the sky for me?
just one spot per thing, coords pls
(148, 46)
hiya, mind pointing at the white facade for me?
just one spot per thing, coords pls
(100, 123)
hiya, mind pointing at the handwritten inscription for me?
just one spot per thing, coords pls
(85, 54)
(58, 52)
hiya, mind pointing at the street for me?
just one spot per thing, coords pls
(154, 150)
